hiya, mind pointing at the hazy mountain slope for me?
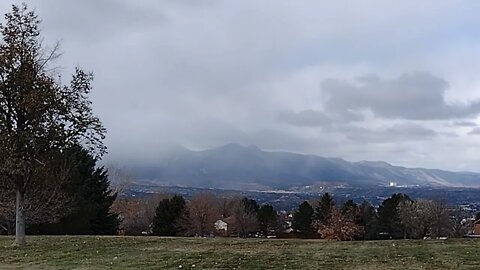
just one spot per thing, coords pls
(248, 167)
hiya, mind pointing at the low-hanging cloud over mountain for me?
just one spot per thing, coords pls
(394, 81)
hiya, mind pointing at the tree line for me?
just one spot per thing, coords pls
(205, 214)
(201, 215)
(396, 217)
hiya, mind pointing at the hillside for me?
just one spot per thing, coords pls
(240, 167)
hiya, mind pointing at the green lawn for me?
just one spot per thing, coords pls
(90, 252)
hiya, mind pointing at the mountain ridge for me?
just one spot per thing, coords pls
(243, 167)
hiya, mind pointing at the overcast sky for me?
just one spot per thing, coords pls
(397, 81)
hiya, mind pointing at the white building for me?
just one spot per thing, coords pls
(221, 225)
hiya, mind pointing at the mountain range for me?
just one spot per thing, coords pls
(235, 166)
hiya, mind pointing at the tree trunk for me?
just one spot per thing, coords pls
(20, 219)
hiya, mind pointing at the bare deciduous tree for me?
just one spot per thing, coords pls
(45, 201)
(120, 178)
(227, 204)
(440, 220)
(245, 218)
(461, 222)
(200, 215)
(422, 218)
(137, 214)
(410, 218)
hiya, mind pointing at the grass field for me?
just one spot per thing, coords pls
(90, 252)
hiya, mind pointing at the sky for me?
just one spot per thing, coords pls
(395, 81)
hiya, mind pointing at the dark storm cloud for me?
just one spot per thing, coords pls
(414, 96)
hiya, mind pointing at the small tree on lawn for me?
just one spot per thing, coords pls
(167, 216)
(200, 214)
(137, 213)
(245, 217)
(339, 227)
(388, 216)
(39, 117)
(267, 218)
(324, 208)
(91, 198)
(302, 219)
(368, 219)
(350, 210)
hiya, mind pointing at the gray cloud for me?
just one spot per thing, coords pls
(206, 72)
(395, 133)
(475, 131)
(90, 22)
(314, 118)
(464, 124)
(414, 96)
(307, 118)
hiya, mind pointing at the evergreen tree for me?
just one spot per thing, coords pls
(368, 218)
(350, 210)
(250, 205)
(302, 219)
(324, 209)
(388, 216)
(267, 218)
(91, 198)
(167, 216)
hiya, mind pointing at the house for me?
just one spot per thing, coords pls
(476, 227)
(221, 225)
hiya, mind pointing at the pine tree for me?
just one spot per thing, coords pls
(302, 219)
(91, 198)
(368, 218)
(324, 209)
(250, 205)
(350, 210)
(267, 218)
(167, 216)
(388, 216)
